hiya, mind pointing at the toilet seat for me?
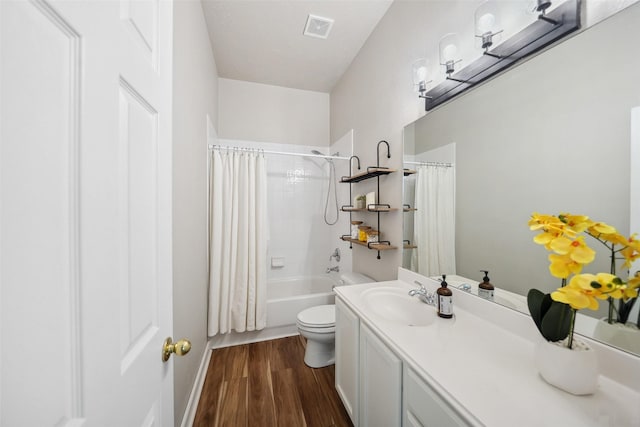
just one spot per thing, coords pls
(319, 318)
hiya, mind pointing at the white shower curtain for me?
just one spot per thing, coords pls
(434, 225)
(238, 241)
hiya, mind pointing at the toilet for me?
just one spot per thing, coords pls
(318, 325)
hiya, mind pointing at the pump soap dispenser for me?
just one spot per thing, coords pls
(485, 289)
(445, 300)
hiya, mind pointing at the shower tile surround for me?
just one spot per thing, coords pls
(297, 191)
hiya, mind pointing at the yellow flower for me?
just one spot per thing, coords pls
(562, 266)
(578, 223)
(584, 290)
(601, 228)
(631, 290)
(631, 252)
(552, 228)
(577, 249)
(615, 238)
(575, 298)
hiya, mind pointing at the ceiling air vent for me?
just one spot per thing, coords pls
(317, 26)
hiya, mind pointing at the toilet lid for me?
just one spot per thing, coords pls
(320, 316)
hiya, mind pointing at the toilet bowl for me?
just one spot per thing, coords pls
(318, 325)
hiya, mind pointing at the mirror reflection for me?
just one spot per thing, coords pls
(551, 135)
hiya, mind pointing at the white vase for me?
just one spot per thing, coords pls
(625, 337)
(572, 370)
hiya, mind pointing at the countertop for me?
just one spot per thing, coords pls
(487, 372)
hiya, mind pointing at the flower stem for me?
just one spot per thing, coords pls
(613, 271)
(571, 327)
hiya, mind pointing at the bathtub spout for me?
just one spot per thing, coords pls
(336, 269)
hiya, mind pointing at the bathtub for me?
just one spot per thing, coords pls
(285, 299)
(288, 296)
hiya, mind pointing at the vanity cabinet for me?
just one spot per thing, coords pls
(377, 387)
(380, 382)
(422, 407)
(347, 354)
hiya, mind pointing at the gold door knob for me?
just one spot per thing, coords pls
(180, 348)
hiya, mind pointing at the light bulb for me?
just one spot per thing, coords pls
(449, 52)
(420, 72)
(486, 23)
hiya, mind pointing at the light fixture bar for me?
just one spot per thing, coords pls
(531, 39)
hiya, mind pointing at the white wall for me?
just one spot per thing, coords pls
(259, 112)
(375, 96)
(195, 97)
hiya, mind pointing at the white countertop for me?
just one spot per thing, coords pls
(487, 371)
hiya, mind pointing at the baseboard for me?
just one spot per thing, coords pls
(194, 397)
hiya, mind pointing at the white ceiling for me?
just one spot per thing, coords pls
(261, 40)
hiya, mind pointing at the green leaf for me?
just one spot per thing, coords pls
(535, 300)
(552, 318)
(556, 322)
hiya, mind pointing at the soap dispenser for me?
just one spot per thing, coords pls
(445, 299)
(485, 289)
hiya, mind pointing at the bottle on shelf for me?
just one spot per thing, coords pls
(362, 232)
(373, 236)
(354, 229)
(486, 289)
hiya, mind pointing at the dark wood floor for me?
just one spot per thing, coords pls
(267, 384)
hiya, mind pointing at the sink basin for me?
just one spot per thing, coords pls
(395, 305)
(515, 302)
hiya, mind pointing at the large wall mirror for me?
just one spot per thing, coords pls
(550, 135)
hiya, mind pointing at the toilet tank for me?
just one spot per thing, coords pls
(353, 278)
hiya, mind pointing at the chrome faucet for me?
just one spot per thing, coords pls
(424, 295)
(465, 287)
(336, 255)
(336, 269)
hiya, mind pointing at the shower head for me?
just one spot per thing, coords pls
(317, 153)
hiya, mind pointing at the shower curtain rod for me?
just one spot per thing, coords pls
(443, 164)
(281, 153)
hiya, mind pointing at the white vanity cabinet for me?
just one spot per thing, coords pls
(377, 388)
(380, 382)
(422, 407)
(347, 354)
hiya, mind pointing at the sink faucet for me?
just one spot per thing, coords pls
(465, 287)
(336, 269)
(424, 295)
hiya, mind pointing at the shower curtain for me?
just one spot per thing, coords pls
(434, 225)
(238, 241)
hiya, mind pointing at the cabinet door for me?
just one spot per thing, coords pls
(422, 407)
(347, 339)
(380, 382)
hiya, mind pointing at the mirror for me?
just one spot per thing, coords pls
(550, 135)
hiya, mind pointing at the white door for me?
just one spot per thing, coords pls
(85, 213)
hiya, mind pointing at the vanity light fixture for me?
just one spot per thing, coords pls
(542, 6)
(420, 72)
(449, 52)
(487, 24)
(549, 27)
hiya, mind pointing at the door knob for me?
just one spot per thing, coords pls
(180, 348)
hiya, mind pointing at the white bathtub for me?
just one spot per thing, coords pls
(287, 297)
